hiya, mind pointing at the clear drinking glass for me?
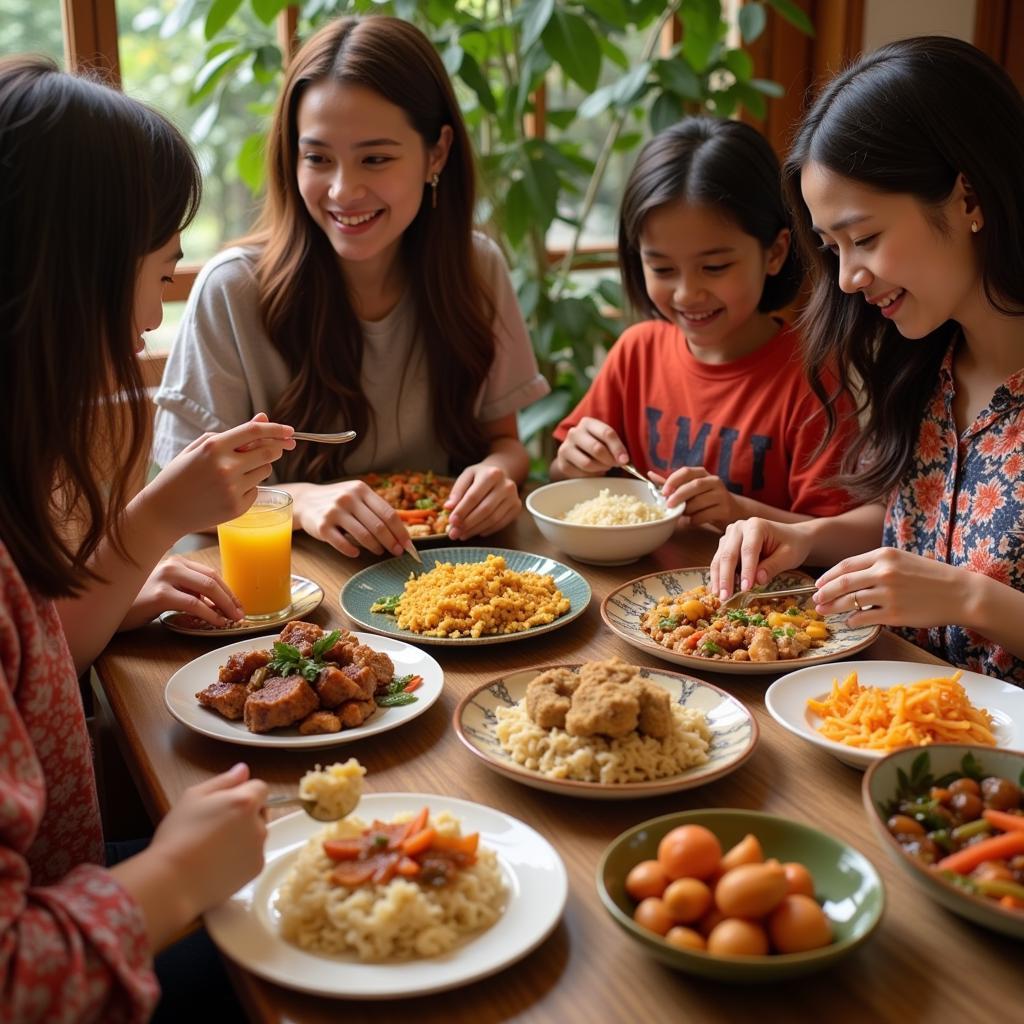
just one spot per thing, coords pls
(256, 554)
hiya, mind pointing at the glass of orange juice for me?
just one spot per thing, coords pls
(256, 554)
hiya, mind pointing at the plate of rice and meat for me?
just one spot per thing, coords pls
(673, 616)
(466, 596)
(419, 500)
(468, 891)
(306, 687)
(606, 730)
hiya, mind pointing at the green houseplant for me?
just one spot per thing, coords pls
(619, 79)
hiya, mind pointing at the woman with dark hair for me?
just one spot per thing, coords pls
(906, 181)
(85, 253)
(707, 396)
(364, 300)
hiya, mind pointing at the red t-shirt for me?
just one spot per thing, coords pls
(753, 422)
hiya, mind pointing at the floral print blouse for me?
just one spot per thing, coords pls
(72, 942)
(963, 503)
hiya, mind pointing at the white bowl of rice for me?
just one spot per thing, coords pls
(602, 520)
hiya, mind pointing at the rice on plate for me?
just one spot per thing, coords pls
(604, 724)
(402, 919)
(609, 509)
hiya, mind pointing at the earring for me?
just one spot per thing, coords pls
(975, 226)
(433, 184)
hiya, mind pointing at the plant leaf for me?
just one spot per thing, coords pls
(752, 19)
(251, 166)
(268, 10)
(219, 15)
(536, 14)
(678, 77)
(794, 15)
(665, 111)
(544, 414)
(471, 74)
(572, 43)
(213, 70)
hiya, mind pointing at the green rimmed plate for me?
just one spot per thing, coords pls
(369, 585)
(846, 884)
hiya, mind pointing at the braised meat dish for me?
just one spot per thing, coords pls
(314, 681)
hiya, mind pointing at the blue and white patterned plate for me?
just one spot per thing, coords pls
(623, 609)
(389, 577)
(734, 734)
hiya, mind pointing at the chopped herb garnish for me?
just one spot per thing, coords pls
(386, 605)
(758, 620)
(735, 615)
(793, 611)
(790, 631)
(289, 661)
(667, 624)
(426, 503)
(776, 631)
(710, 647)
(396, 700)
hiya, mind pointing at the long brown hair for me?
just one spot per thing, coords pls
(907, 118)
(90, 183)
(307, 312)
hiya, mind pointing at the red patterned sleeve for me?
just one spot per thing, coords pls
(72, 942)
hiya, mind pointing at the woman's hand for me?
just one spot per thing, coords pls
(760, 549)
(215, 478)
(705, 497)
(349, 516)
(893, 588)
(180, 585)
(212, 839)
(591, 448)
(483, 500)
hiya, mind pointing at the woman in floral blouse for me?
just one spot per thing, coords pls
(906, 181)
(94, 190)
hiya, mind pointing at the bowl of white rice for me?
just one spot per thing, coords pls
(602, 520)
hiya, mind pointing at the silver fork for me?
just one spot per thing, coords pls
(341, 438)
(655, 493)
(744, 597)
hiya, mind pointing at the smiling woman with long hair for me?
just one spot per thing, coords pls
(364, 299)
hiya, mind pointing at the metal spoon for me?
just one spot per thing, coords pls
(311, 807)
(744, 597)
(342, 438)
(633, 471)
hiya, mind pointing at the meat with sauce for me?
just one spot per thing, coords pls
(549, 697)
(240, 666)
(227, 699)
(319, 722)
(280, 702)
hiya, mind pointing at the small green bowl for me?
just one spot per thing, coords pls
(881, 784)
(846, 884)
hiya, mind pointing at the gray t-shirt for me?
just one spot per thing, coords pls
(223, 369)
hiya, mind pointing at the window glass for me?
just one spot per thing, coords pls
(31, 26)
(159, 61)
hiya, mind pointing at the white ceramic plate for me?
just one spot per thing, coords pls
(734, 735)
(182, 687)
(306, 598)
(246, 926)
(786, 700)
(623, 610)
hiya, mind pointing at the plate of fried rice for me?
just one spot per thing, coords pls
(465, 596)
(524, 877)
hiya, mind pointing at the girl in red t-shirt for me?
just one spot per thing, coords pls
(708, 397)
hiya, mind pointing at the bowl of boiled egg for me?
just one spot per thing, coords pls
(740, 895)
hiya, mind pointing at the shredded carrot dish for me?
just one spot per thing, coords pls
(929, 711)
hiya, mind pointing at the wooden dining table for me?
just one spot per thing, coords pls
(921, 964)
